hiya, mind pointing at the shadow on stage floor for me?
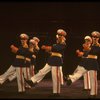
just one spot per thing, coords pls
(43, 91)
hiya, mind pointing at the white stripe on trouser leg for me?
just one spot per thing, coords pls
(86, 79)
(93, 82)
(56, 79)
(77, 74)
(40, 75)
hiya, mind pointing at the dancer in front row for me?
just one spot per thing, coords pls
(53, 64)
(88, 63)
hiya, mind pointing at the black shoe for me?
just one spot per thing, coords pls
(54, 95)
(92, 96)
(30, 82)
(69, 82)
(22, 93)
(65, 78)
(86, 89)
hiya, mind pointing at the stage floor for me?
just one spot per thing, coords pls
(44, 90)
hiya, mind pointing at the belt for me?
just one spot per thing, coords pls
(22, 57)
(56, 54)
(92, 56)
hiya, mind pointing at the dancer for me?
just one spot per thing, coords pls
(53, 64)
(89, 63)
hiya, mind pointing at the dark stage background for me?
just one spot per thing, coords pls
(42, 19)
